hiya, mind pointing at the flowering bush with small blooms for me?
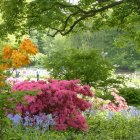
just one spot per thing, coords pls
(15, 58)
(60, 98)
(117, 105)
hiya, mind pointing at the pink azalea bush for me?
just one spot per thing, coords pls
(63, 99)
(117, 105)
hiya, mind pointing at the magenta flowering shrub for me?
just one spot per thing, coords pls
(29, 85)
(63, 99)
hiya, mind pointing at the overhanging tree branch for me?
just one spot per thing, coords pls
(84, 15)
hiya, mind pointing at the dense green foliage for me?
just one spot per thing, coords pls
(60, 16)
(125, 56)
(132, 95)
(85, 64)
(118, 128)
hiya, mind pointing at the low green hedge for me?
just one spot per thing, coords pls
(131, 95)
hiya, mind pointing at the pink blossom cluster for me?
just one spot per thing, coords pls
(12, 80)
(59, 98)
(119, 103)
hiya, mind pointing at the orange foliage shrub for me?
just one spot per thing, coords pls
(16, 58)
(28, 47)
(7, 51)
(19, 59)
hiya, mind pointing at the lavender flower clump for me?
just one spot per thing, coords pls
(16, 119)
(40, 121)
(131, 112)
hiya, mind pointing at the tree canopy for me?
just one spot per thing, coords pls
(60, 16)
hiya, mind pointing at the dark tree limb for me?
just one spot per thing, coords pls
(84, 15)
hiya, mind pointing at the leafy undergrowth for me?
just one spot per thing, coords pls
(100, 128)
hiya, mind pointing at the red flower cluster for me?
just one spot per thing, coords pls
(63, 99)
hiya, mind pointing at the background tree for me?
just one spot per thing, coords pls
(123, 52)
(107, 41)
(85, 64)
